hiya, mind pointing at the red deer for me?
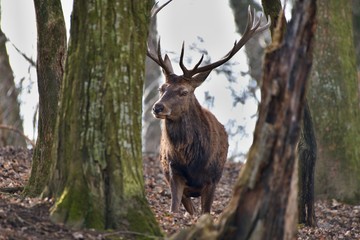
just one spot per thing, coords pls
(194, 143)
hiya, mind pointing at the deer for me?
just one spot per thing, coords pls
(194, 144)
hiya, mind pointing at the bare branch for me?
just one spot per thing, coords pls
(30, 60)
(10, 128)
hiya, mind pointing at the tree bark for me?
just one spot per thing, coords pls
(356, 29)
(151, 126)
(263, 205)
(97, 179)
(50, 68)
(272, 9)
(334, 102)
(307, 147)
(9, 105)
(307, 152)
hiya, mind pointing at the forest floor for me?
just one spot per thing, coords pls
(23, 218)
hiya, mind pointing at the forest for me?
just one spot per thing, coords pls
(125, 149)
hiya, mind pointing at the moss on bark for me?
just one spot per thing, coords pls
(98, 179)
(333, 97)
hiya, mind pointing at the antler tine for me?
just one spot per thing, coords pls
(252, 28)
(181, 63)
(156, 9)
(186, 72)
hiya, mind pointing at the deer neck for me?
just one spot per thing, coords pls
(184, 129)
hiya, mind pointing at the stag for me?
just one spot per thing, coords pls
(194, 144)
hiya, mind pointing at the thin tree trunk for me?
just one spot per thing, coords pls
(307, 150)
(50, 68)
(97, 179)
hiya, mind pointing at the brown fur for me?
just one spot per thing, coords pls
(193, 146)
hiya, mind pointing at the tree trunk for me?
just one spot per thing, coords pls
(151, 126)
(334, 102)
(9, 105)
(272, 9)
(356, 28)
(253, 48)
(263, 205)
(307, 143)
(307, 151)
(50, 68)
(97, 179)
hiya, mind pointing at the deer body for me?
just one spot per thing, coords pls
(194, 143)
(193, 146)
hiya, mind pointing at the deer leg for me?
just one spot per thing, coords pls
(188, 204)
(207, 197)
(177, 186)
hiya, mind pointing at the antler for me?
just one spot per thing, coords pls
(165, 63)
(252, 28)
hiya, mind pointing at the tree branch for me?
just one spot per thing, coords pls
(10, 128)
(30, 60)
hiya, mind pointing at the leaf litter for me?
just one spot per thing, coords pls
(27, 218)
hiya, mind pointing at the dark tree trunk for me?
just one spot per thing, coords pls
(356, 29)
(307, 158)
(264, 203)
(50, 69)
(307, 143)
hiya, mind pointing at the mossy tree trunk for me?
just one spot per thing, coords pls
(9, 105)
(272, 9)
(334, 102)
(264, 203)
(51, 51)
(97, 179)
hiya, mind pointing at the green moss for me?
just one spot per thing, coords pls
(99, 153)
(73, 207)
(142, 220)
(333, 100)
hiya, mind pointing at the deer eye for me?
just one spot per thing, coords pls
(183, 93)
(161, 89)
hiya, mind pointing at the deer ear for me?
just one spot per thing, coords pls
(168, 65)
(199, 78)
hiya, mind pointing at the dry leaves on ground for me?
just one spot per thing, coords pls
(28, 218)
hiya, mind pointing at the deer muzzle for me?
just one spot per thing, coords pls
(160, 111)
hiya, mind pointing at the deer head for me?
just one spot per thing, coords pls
(177, 93)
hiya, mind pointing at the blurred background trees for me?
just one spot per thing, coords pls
(10, 119)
